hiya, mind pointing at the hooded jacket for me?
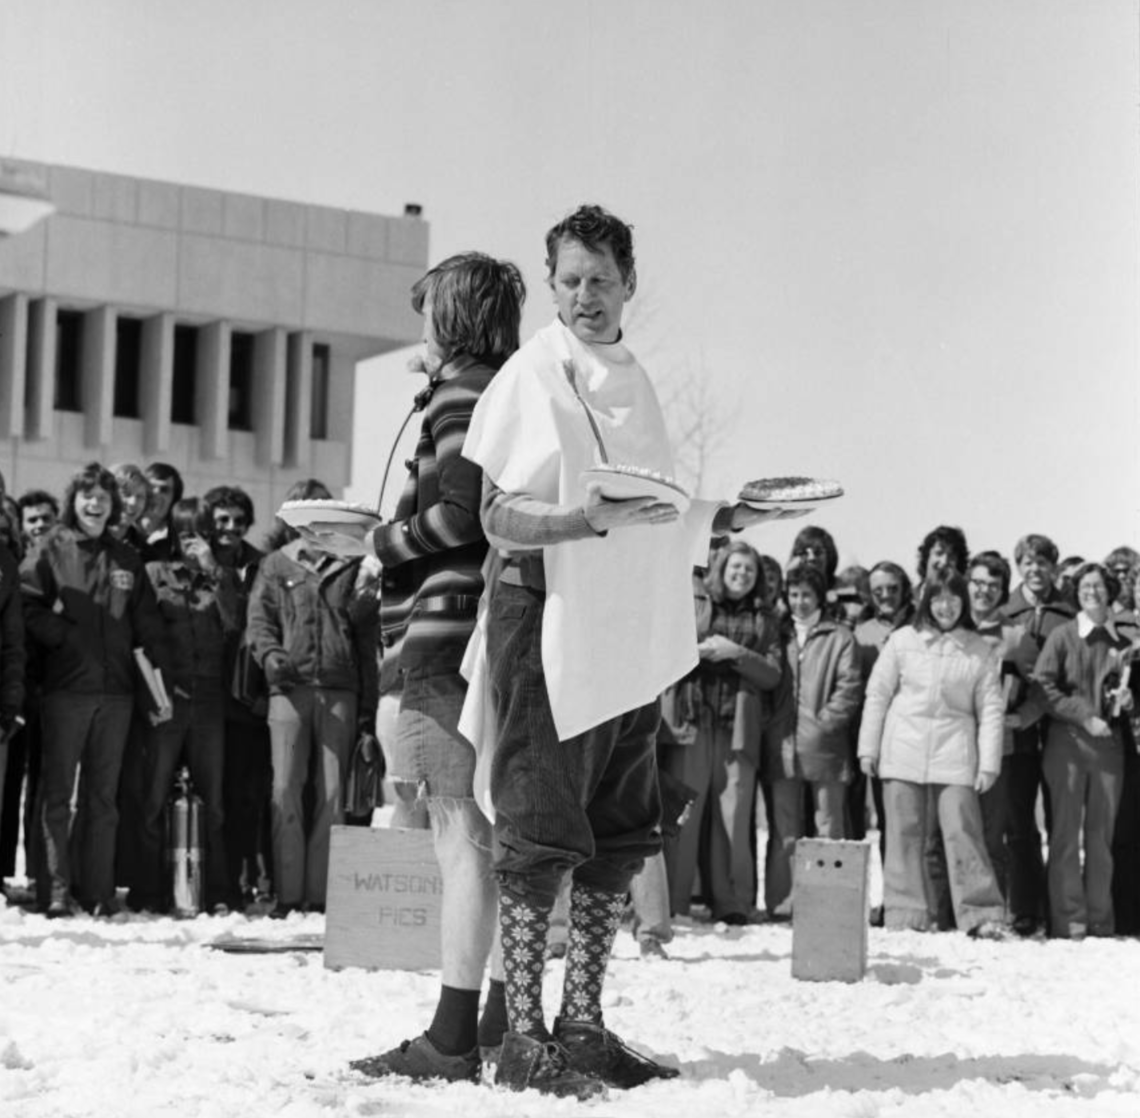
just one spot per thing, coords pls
(933, 713)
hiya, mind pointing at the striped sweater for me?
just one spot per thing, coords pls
(435, 545)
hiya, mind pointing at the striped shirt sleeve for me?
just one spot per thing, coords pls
(453, 520)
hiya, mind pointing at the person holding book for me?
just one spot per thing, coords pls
(88, 605)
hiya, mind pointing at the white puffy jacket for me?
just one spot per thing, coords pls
(933, 713)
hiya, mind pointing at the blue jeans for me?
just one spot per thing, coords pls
(311, 731)
(590, 804)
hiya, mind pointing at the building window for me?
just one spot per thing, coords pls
(319, 411)
(241, 381)
(128, 367)
(185, 379)
(68, 360)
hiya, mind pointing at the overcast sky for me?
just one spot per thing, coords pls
(896, 239)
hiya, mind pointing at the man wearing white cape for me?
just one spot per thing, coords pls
(590, 619)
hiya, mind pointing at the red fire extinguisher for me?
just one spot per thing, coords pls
(184, 846)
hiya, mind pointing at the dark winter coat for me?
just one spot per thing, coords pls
(12, 652)
(819, 698)
(89, 604)
(200, 612)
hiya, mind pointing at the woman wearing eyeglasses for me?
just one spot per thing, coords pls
(1081, 671)
(932, 730)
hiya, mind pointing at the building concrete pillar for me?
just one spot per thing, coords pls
(212, 389)
(269, 396)
(157, 382)
(298, 398)
(342, 385)
(98, 376)
(13, 363)
(39, 392)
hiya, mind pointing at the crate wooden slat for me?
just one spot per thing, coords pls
(383, 902)
(830, 910)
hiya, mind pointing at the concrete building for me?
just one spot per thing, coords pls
(219, 332)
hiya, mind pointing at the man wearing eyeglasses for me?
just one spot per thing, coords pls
(1124, 562)
(989, 579)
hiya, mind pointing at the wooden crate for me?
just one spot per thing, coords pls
(830, 910)
(384, 894)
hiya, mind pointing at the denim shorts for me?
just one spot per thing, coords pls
(429, 751)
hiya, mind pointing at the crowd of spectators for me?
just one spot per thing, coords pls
(986, 731)
(269, 667)
(963, 718)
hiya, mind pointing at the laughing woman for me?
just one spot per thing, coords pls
(88, 605)
(932, 729)
(719, 705)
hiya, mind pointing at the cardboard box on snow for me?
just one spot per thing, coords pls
(830, 910)
(383, 902)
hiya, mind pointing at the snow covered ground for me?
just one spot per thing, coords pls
(137, 1017)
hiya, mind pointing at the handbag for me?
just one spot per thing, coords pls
(364, 781)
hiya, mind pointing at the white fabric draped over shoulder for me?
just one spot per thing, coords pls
(618, 625)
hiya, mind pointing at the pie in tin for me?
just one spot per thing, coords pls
(620, 482)
(779, 492)
(318, 510)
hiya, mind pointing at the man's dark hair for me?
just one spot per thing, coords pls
(1036, 544)
(189, 515)
(813, 535)
(594, 228)
(35, 497)
(11, 535)
(952, 539)
(93, 475)
(228, 497)
(476, 306)
(1123, 556)
(164, 471)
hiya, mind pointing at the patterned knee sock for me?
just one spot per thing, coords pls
(594, 919)
(523, 928)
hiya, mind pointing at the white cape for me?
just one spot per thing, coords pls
(618, 625)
